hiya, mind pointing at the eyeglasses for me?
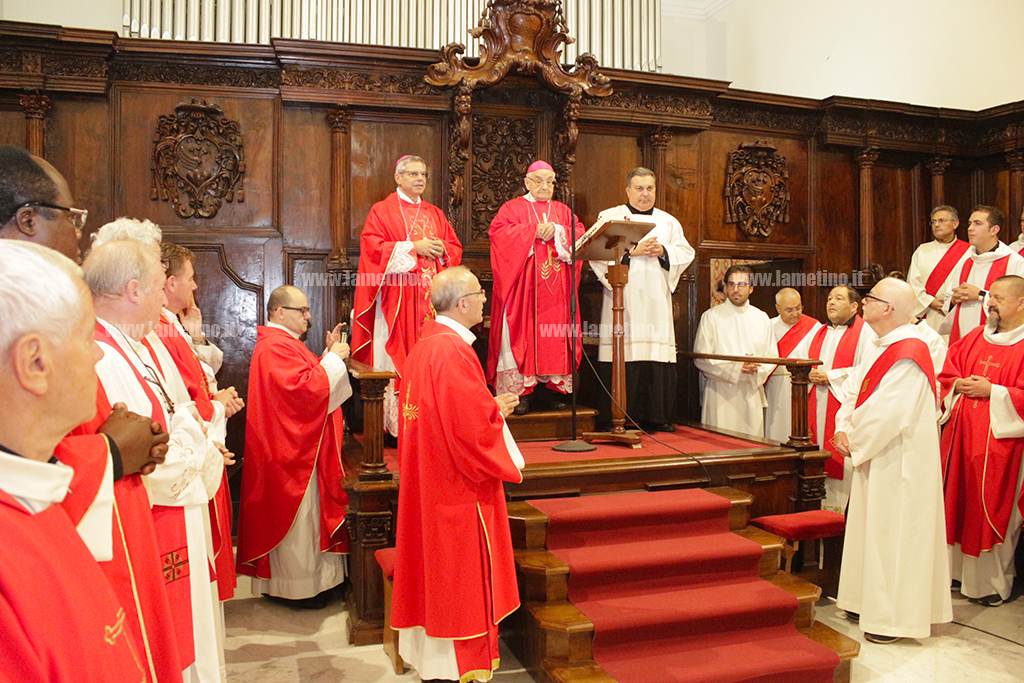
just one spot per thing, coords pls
(542, 182)
(77, 216)
(479, 293)
(875, 298)
(737, 285)
(304, 310)
(415, 174)
(936, 221)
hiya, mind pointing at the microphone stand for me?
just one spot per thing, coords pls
(574, 445)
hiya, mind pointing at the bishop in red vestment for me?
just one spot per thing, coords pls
(405, 242)
(983, 392)
(291, 532)
(532, 238)
(455, 575)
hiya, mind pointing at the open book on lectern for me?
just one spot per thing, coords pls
(615, 231)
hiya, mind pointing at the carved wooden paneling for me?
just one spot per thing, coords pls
(604, 156)
(307, 270)
(12, 125)
(756, 189)
(680, 190)
(895, 229)
(836, 203)
(503, 148)
(305, 195)
(78, 135)
(136, 114)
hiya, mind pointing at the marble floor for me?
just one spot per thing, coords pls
(270, 643)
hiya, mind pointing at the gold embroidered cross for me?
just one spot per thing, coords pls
(988, 364)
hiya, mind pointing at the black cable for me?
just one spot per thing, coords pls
(994, 635)
(707, 474)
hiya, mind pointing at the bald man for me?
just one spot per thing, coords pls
(790, 328)
(291, 479)
(982, 388)
(895, 574)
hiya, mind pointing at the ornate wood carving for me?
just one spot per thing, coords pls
(65, 65)
(340, 121)
(1015, 160)
(761, 118)
(10, 60)
(937, 167)
(659, 140)
(503, 147)
(756, 189)
(191, 74)
(566, 140)
(462, 134)
(866, 159)
(655, 103)
(198, 160)
(335, 79)
(36, 106)
(526, 35)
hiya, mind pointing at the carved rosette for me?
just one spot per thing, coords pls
(503, 148)
(756, 189)
(198, 161)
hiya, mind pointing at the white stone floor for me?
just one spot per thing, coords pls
(269, 643)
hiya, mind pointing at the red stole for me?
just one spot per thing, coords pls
(997, 270)
(60, 620)
(404, 298)
(910, 349)
(289, 438)
(846, 352)
(979, 471)
(794, 336)
(192, 373)
(945, 266)
(169, 522)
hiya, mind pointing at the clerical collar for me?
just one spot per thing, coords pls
(36, 485)
(848, 323)
(633, 209)
(463, 331)
(404, 197)
(282, 327)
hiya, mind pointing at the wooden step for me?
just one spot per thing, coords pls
(806, 593)
(543, 576)
(529, 526)
(567, 635)
(551, 425)
(581, 672)
(847, 648)
(772, 545)
(740, 500)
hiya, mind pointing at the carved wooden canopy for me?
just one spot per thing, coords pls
(197, 160)
(756, 189)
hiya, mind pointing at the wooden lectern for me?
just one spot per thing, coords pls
(609, 242)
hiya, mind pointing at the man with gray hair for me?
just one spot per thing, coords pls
(36, 203)
(655, 265)
(405, 242)
(126, 280)
(455, 576)
(933, 262)
(789, 328)
(895, 572)
(47, 387)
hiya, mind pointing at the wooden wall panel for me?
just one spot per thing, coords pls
(137, 111)
(957, 188)
(78, 144)
(12, 124)
(718, 232)
(377, 144)
(836, 221)
(604, 156)
(681, 189)
(307, 270)
(895, 232)
(306, 177)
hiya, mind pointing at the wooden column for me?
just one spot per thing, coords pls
(341, 188)
(1010, 231)
(866, 159)
(937, 167)
(36, 105)
(659, 140)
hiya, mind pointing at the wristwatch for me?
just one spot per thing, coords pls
(982, 294)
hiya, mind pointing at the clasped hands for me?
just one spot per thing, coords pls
(648, 247)
(965, 292)
(429, 247)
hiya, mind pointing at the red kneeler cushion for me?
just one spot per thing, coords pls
(386, 559)
(803, 526)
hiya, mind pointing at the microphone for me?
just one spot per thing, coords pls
(344, 333)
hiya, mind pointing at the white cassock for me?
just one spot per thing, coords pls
(923, 262)
(731, 399)
(895, 572)
(297, 567)
(187, 478)
(937, 346)
(778, 421)
(1017, 245)
(647, 297)
(837, 491)
(970, 314)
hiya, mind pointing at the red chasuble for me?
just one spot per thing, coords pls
(979, 471)
(454, 570)
(61, 622)
(531, 286)
(288, 436)
(945, 266)
(194, 376)
(404, 297)
(846, 351)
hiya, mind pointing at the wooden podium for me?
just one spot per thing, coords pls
(610, 242)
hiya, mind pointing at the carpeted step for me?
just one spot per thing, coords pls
(776, 654)
(806, 593)
(771, 546)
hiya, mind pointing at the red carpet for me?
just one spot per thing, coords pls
(675, 596)
(686, 439)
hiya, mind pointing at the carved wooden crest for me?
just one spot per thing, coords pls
(527, 35)
(197, 160)
(756, 189)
